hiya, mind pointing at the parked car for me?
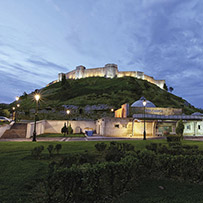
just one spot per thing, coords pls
(4, 119)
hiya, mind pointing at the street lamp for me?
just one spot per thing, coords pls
(144, 133)
(17, 99)
(37, 98)
(13, 108)
(68, 111)
(17, 105)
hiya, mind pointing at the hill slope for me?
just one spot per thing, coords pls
(97, 90)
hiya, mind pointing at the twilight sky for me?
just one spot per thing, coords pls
(40, 38)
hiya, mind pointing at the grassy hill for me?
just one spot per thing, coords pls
(97, 90)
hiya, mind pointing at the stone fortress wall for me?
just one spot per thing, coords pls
(108, 71)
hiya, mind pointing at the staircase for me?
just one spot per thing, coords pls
(18, 130)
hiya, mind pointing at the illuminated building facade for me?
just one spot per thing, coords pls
(108, 71)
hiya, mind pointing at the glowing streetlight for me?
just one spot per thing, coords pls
(68, 111)
(144, 133)
(17, 105)
(112, 110)
(13, 115)
(37, 98)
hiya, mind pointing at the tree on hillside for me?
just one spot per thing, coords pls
(165, 87)
(25, 95)
(171, 89)
(5, 112)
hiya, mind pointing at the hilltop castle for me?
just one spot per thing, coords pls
(108, 71)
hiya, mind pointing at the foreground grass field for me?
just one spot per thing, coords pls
(18, 172)
(163, 191)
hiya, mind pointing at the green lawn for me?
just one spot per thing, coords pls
(18, 170)
(60, 135)
(163, 191)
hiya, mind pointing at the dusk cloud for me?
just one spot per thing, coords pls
(163, 38)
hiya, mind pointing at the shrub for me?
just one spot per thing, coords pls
(100, 146)
(36, 152)
(180, 128)
(100, 182)
(152, 147)
(70, 129)
(74, 179)
(114, 154)
(64, 130)
(117, 150)
(50, 148)
(173, 138)
(77, 159)
(58, 148)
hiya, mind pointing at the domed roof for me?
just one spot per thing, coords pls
(197, 114)
(139, 103)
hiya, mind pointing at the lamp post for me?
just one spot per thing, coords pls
(112, 112)
(144, 133)
(36, 97)
(68, 112)
(17, 105)
(13, 108)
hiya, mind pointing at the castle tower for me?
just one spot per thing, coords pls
(111, 70)
(79, 73)
(60, 76)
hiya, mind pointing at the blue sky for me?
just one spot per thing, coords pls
(40, 38)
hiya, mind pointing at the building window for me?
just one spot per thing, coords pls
(199, 127)
(188, 127)
(116, 126)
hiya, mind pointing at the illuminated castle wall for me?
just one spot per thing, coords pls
(108, 71)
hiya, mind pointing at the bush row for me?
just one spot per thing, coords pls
(37, 151)
(78, 179)
(99, 182)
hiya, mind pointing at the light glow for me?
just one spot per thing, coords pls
(68, 112)
(144, 103)
(37, 97)
(17, 98)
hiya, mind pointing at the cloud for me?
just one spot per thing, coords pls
(11, 86)
(162, 38)
(45, 63)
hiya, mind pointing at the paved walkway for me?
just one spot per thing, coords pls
(89, 138)
(194, 138)
(71, 139)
